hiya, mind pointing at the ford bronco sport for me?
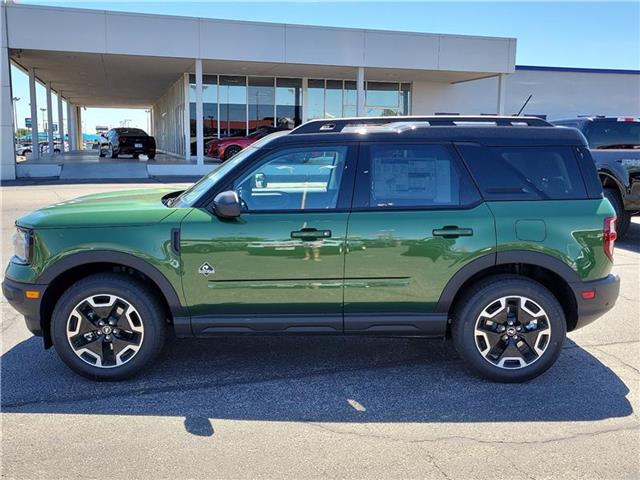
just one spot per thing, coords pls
(490, 230)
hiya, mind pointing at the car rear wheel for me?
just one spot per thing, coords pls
(231, 151)
(623, 218)
(509, 328)
(108, 327)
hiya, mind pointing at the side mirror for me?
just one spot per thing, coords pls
(227, 205)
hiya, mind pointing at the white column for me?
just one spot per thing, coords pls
(35, 148)
(199, 114)
(501, 93)
(305, 100)
(360, 92)
(7, 127)
(70, 132)
(187, 119)
(60, 122)
(78, 127)
(49, 118)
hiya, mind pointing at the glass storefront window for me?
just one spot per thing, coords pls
(333, 99)
(382, 99)
(315, 99)
(350, 99)
(233, 106)
(288, 102)
(261, 98)
(405, 98)
(277, 102)
(209, 108)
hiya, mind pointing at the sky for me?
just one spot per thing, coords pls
(591, 34)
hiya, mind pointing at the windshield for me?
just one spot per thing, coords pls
(614, 134)
(189, 196)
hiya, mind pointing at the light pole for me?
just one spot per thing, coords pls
(15, 115)
(42, 109)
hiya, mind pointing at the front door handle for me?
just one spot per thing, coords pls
(310, 234)
(452, 231)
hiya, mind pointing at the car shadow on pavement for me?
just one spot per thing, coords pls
(631, 240)
(319, 379)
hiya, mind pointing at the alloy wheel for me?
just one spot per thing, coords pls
(512, 332)
(105, 331)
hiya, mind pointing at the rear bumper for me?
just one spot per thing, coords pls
(131, 150)
(14, 292)
(606, 293)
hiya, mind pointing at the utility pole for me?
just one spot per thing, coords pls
(42, 109)
(15, 115)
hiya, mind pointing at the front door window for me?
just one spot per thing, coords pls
(294, 179)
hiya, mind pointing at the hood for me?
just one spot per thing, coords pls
(129, 207)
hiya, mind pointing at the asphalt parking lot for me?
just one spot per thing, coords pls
(313, 407)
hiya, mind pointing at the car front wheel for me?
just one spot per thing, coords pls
(231, 151)
(509, 328)
(108, 327)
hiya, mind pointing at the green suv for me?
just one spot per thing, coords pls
(492, 231)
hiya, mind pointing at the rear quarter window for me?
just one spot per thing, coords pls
(613, 134)
(525, 173)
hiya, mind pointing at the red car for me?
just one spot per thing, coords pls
(225, 148)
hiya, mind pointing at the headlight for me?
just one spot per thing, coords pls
(22, 245)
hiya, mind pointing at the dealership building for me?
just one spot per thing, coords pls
(203, 78)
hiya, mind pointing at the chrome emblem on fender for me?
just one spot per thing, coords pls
(206, 269)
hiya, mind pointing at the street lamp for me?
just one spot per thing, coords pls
(15, 114)
(42, 109)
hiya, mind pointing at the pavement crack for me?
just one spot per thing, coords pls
(458, 438)
(617, 358)
(595, 345)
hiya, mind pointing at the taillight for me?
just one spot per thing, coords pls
(610, 236)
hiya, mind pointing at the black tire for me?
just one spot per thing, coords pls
(101, 154)
(150, 315)
(112, 153)
(231, 151)
(482, 295)
(623, 218)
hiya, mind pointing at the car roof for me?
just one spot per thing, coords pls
(486, 130)
(595, 118)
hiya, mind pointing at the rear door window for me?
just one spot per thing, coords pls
(414, 176)
(525, 173)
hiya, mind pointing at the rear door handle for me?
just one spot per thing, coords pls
(310, 234)
(452, 231)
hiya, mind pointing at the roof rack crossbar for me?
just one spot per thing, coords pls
(338, 124)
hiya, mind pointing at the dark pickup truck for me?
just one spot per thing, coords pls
(615, 147)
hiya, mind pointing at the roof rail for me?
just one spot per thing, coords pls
(335, 125)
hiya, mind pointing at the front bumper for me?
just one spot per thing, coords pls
(15, 294)
(606, 293)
